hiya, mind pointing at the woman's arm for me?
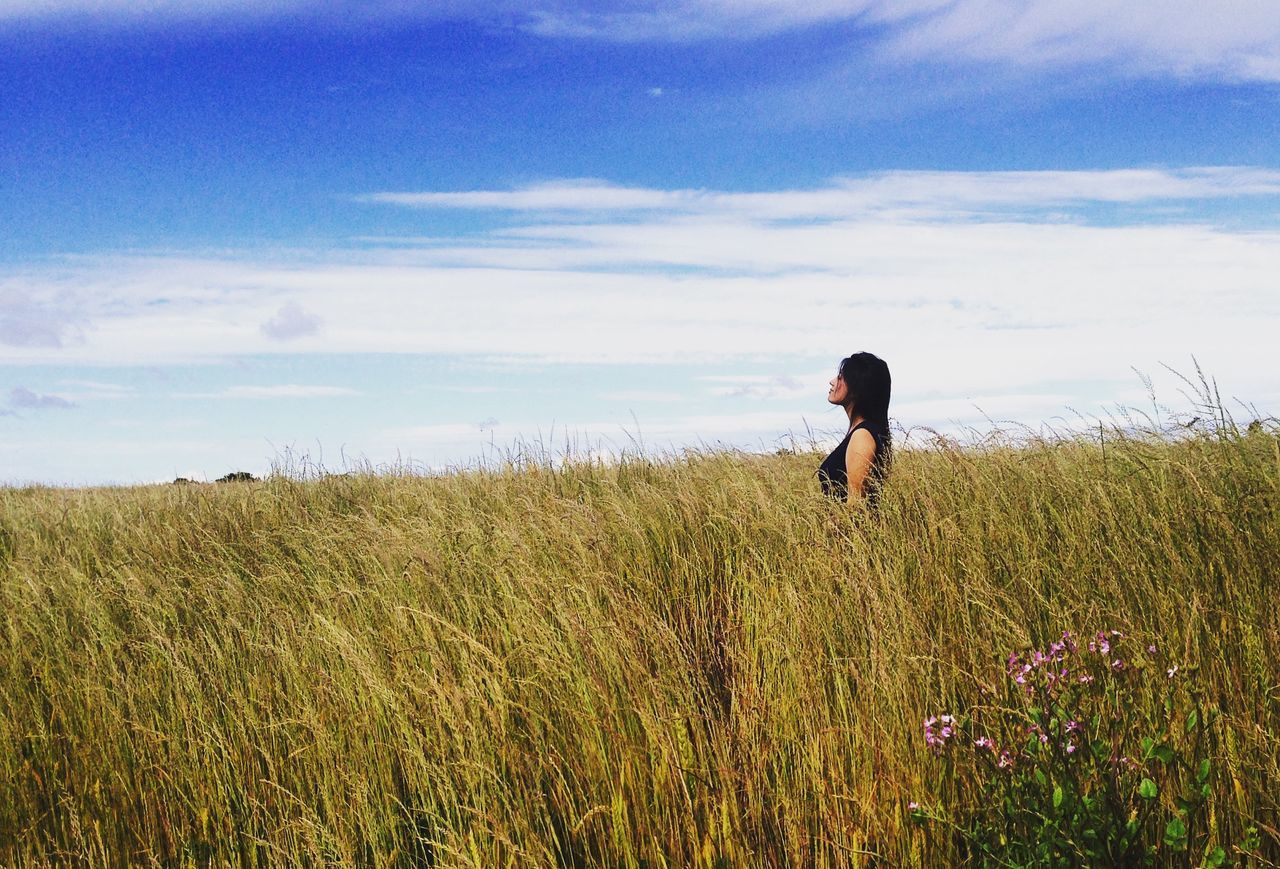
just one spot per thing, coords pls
(857, 461)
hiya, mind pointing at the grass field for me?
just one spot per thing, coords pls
(693, 661)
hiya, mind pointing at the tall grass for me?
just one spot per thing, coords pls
(688, 662)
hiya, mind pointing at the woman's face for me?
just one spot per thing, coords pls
(839, 391)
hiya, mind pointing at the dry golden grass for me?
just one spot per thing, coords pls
(688, 662)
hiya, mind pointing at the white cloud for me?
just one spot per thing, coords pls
(290, 322)
(32, 320)
(955, 278)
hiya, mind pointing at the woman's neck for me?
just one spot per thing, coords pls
(854, 418)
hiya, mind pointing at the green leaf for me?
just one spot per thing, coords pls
(1148, 789)
(1164, 753)
(1147, 744)
(1040, 778)
(1202, 775)
(1057, 796)
(1205, 791)
(1175, 834)
(1216, 857)
(1193, 718)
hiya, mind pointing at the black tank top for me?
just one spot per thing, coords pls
(834, 475)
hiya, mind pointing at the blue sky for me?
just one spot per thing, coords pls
(234, 231)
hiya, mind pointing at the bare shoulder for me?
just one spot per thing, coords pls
(862, 443)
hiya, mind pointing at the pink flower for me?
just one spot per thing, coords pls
(1072, 726)
(938, 740)
(913, 806)
(1006, 759)
(1151, 648)
(1117, 665)
(1071, 748)
(1171, 671)
(983, 742)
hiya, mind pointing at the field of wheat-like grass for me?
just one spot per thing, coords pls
(694, 661)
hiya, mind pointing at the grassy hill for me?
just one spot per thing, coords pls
(693, 661)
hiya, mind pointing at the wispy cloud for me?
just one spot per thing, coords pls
(97, 389)
(1234, 39)
(763, 386)
(645, 396)
(584, 194)
(287, 390)
(24, 399)
(928, 193)
(1227, 39)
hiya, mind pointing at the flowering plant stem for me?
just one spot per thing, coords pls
(1070, 770)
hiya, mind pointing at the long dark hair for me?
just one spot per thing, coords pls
(867, 378)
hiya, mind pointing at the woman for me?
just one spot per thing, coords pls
(856, 468)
